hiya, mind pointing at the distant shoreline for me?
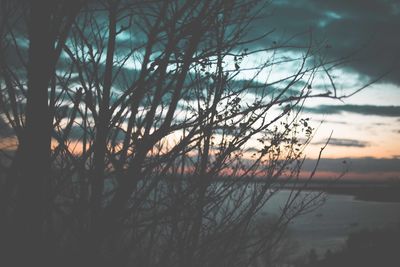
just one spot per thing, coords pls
(365, 190)
(387, 194)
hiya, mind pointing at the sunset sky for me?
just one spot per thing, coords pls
(366, 126)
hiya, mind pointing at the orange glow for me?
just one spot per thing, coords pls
(75, 147)
(8, 143)
(352, 175)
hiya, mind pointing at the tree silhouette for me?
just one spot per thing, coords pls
(48, 24)
(368, 247)
(148, 148)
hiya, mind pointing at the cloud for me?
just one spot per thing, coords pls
(334, 122)
(389, 111)
(5, 129)
(344, 142)
(360, 165)
(366, 29)
(77, 133)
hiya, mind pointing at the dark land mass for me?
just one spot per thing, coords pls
(365, 190)
(381, 194)
(361, 190)
(365, 248)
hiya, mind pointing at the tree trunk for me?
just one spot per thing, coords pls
(34, 147)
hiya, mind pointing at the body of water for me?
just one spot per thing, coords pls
(328, 226)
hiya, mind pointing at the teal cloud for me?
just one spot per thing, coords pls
(388, 111)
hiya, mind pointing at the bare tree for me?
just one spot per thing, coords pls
(162, 155)
(48, 24)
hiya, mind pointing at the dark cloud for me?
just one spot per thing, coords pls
(360, 165)
(390, 111)
(344, 142)
(5, 129)
(77, 133)
(374, 8)
(368, 27)
(258, 88)
(334, 122)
